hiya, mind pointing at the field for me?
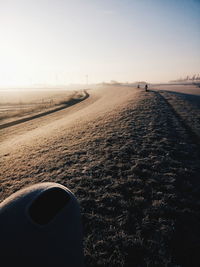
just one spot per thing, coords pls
(132, 158)
(15, 104)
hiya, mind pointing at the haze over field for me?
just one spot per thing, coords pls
(17, 104)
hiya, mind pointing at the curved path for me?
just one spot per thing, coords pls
(69, 103)
(53, 126)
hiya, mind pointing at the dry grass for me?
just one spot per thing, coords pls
(187, 106)
(135, 171)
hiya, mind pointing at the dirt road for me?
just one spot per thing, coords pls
(132, 159)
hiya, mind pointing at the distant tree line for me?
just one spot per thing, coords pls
(195, 77)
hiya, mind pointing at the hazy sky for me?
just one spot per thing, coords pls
(60, 41)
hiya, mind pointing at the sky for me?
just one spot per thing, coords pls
(62, 41)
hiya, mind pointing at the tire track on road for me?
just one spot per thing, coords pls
(67, 105)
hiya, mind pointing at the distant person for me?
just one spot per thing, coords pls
(138, 86)
(146, 87)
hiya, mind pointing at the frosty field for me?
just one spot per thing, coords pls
(132, 159)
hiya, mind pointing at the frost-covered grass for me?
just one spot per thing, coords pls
(135, 172)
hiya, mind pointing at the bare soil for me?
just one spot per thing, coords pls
(134, 166)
